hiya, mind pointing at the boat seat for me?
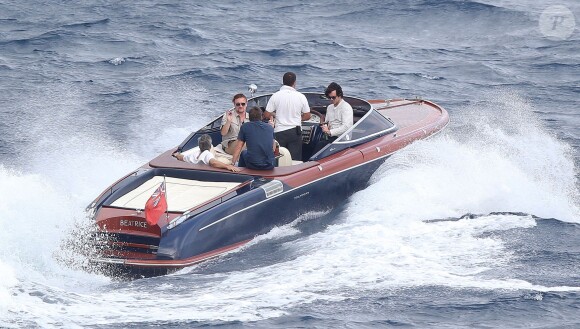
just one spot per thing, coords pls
(221, 155)
(182, 194)
(285, 158)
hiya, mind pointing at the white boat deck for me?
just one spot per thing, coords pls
(182, 194)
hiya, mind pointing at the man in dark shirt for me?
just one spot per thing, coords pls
(259, 137)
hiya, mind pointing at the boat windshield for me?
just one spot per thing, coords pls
(317, 102)
(310, 131)
(369, 127)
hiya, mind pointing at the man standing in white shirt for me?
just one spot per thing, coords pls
(291, 108)
(202, 153)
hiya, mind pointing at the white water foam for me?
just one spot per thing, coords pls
(280, 232)
(8, 282)
(171, 110)
(500, 160)
(381, 242)
(69, 163)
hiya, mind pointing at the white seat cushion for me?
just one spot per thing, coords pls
(286, 157)
(182, 194)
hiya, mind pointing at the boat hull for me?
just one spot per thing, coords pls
(237, 221)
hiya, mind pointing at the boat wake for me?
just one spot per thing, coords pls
(496, 160)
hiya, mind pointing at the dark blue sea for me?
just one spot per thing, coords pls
(478, 227)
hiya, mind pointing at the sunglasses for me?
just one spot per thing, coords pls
(240, 104)
(332, 97)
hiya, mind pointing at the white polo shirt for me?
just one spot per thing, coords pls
(289, 104)
(195, 156)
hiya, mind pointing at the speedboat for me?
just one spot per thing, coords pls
(212, 211)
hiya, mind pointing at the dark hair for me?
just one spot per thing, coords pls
(333, 86)
(289, 79)
(204, 142)
(255, 114)
(236, 96)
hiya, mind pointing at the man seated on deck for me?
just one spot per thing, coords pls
(202, 153)
(339, 116)
(259, 137)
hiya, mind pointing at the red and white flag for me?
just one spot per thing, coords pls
(156, 205)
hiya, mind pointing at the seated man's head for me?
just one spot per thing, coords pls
(204, 142)
(334, 93)
(255, 114)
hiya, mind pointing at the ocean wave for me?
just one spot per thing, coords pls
(416, 74)
(428, 77)
(210, 75)
(550, 67)
(165, 30)
(461, 5)
(419, 6)
(103, 21)
(117, 61)
(274, 52)
(294, 67)
(224, 73)
(52, 36)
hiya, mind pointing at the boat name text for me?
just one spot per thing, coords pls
(135, 223)
(301, 195)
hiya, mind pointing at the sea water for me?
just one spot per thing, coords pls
(478, 226)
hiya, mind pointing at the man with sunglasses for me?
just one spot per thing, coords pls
(232, 120)
(339, 116)
(291, 109)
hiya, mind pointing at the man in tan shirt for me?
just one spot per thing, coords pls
(231, 123)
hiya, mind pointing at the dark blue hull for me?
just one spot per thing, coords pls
(244, 217)
(236, 221)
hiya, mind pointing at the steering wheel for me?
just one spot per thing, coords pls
(316, 117)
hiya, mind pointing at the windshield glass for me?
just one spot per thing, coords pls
(372, 125)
